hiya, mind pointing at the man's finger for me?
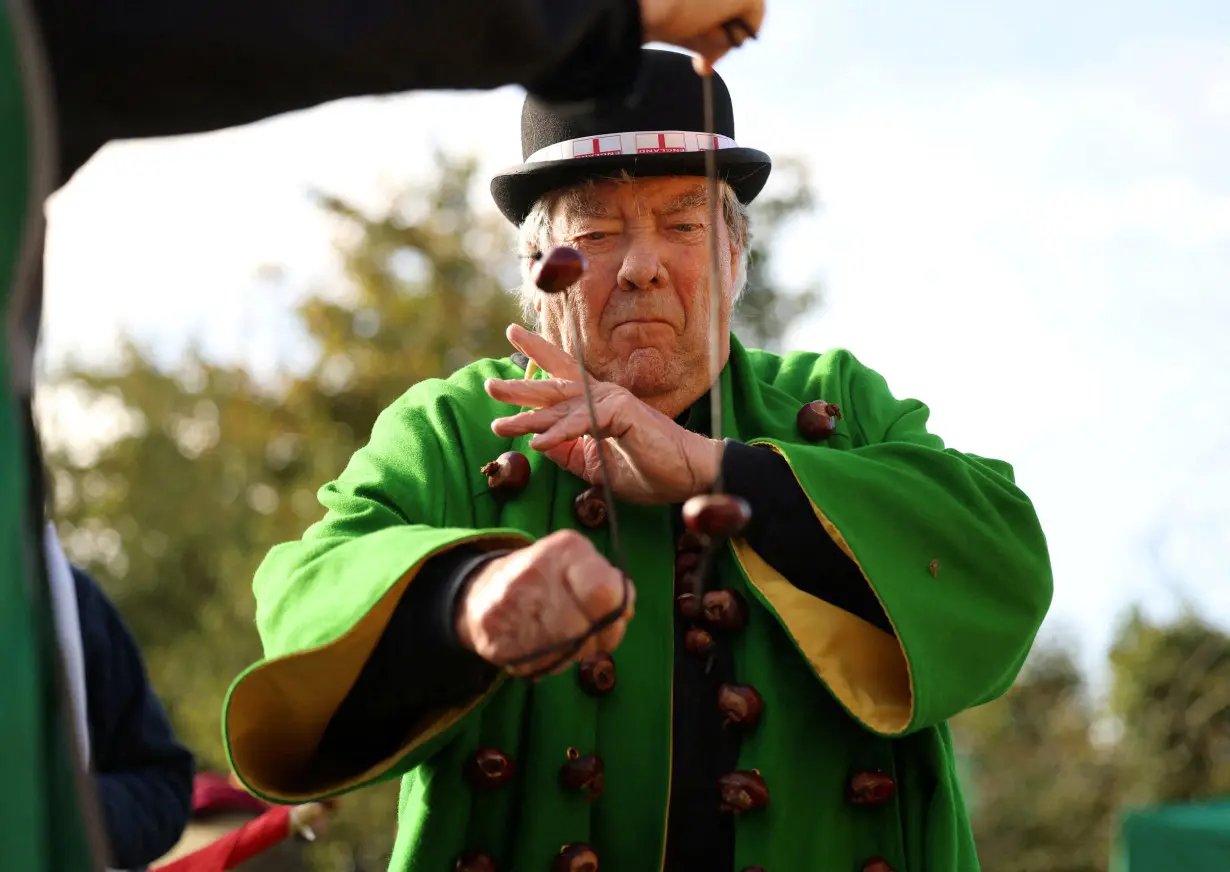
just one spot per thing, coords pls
(520, 392)
(548, 357)
(534, 421)
(572, 426)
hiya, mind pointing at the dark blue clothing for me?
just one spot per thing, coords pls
(143, 775)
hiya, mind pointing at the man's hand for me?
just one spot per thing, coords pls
(546, 593)
(650, 458)
(696, 25)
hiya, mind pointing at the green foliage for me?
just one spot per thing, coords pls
(211, 469)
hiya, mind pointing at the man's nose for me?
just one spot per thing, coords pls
(642, 266)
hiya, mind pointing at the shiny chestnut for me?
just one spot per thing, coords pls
(583, 772)
(489, 767)
(508, 474)
(690, 542)
(876, 864)
(724, 610)
(741, 703)
(590, 507)
(577, 857)
(699, 642)
(870, 787)
(743, 791)
(720, 515)
(597, 673)
(559, 269)
(474, 861)
(817, 420)
(687, 606)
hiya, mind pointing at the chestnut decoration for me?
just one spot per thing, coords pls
(508, 474)
(716, 514)
(743, 791)
(699, 642)
(584, 773)
(688, 607)
(597, 673)
(489, 767)
(817, 420)
(590, 507)
(474, 861)
(741, 704)
(724, 610)
(690, 541)
(876, 864)
(685, 562)
(559, 269)
(871, 787)
(577, 857)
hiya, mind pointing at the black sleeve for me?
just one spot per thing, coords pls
(419, 655)
(143, 775)
(787, 534)
(135, 68)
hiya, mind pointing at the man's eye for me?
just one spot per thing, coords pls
(596, 236)
(686, 228)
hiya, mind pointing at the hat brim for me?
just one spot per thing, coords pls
(518, 188)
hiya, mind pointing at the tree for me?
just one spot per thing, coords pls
(207, 468)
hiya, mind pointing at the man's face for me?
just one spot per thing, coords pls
(643, 305)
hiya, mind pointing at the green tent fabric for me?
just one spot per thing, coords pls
(42, 824)
(1168, 838)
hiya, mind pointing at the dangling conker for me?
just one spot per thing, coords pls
(871, 787)
(508, 474)
(716, 514)
(741, 704)
(876, 864)
(690, 541)
(724, 610)
(474, 861)
(489, 767)
(699, 642)
(817, 420)
(687, 605)
(577, 857)
(597, 673)
(590, 507)
(583, 772)
(559, 269)
(743, 791)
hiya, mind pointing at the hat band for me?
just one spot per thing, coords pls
(636, 142)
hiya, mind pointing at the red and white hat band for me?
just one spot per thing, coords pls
(637, 142)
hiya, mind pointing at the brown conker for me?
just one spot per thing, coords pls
(474, 861)
(699, 642)
(870, 787)
(690, 541)
(596, 673)
(741, 703)
(720, 515)
(876, 864)
(489, 767)
(687, 606)
(743, 791)
(577, 857)
(724, 610)
(559, 269)
(583, 772)
(817, 420)
(508, 474)
(590, 506)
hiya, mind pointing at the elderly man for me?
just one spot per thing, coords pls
(792, 719)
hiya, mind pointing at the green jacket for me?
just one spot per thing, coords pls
(951, 547)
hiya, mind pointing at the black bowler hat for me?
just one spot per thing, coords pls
(658, 132)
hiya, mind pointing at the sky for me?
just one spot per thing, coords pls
(1025, 223)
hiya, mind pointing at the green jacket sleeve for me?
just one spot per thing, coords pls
(324, 600)
(950, 545)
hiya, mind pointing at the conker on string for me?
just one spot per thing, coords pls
(577, 857)
(699, 642)
(817, 420)
(718, 515)
(870, 787)
(876, 864)
(583, 772)
(741, 703)
(687, 606)
(489, 767)
(508, 474)
(590, 507)
(743, 791)
(559, 269)
(690, 541)
(724, 610)
(596, 673)
(474, 861)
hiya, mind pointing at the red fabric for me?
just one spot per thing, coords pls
(216, 794)
(254, 837)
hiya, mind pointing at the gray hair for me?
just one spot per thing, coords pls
(534, 236)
